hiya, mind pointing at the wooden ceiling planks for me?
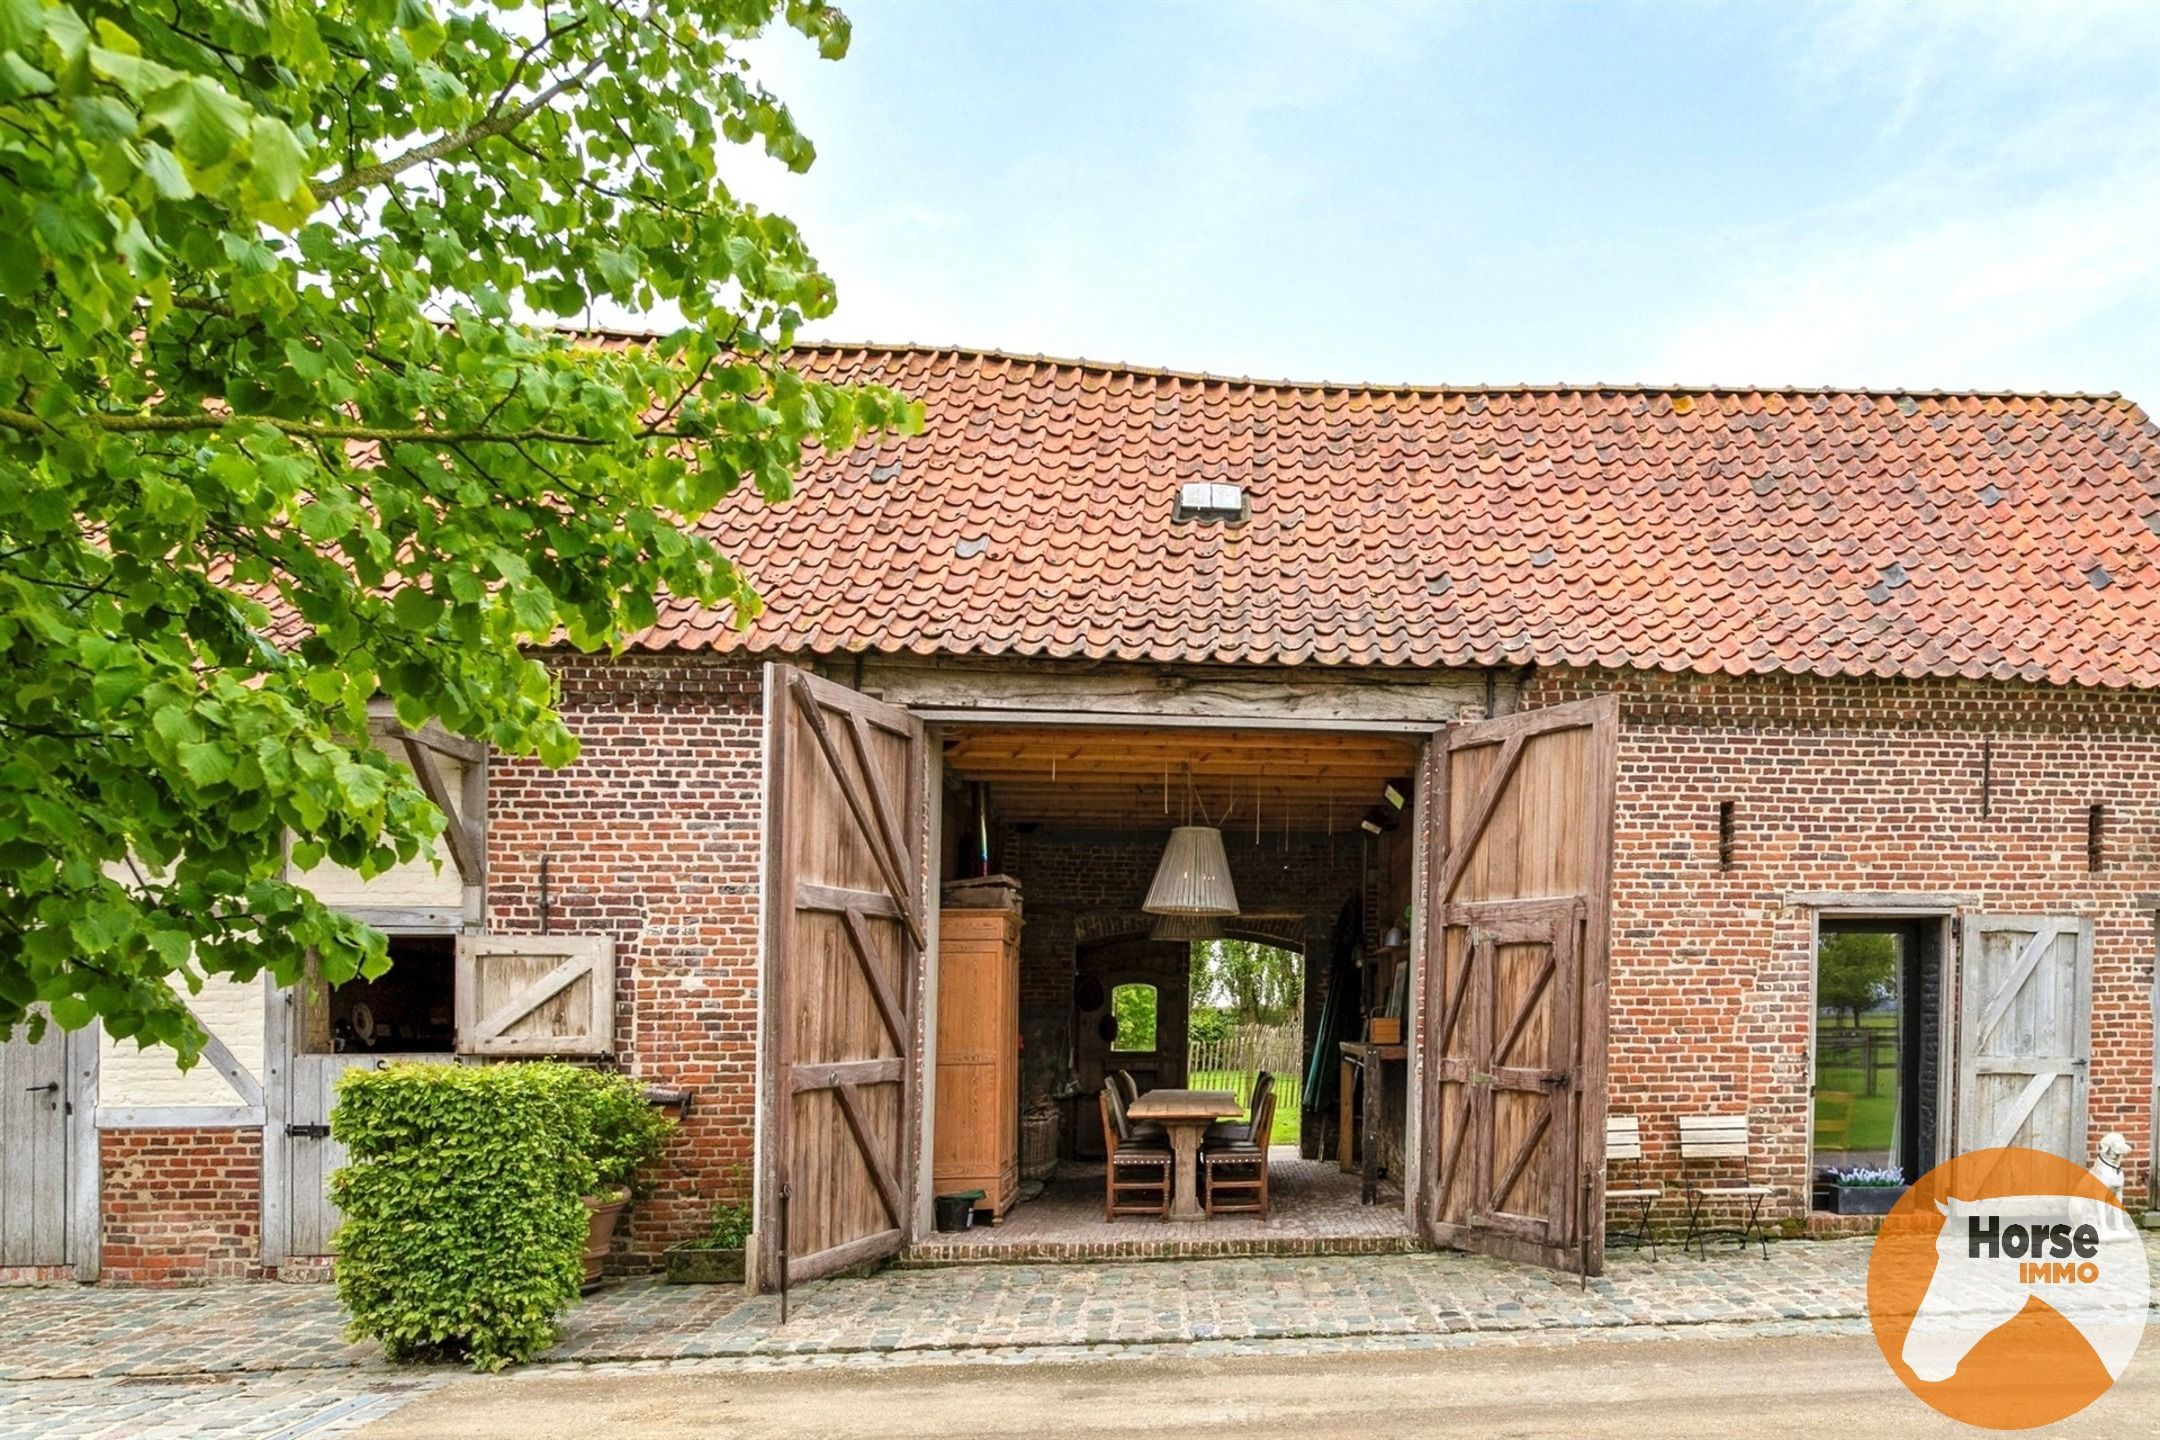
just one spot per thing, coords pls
(1123, 777)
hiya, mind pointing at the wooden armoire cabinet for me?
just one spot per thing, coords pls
(977, 1137)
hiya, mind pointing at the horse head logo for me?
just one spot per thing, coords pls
(1995, 1256)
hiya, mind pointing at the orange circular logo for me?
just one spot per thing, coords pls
(2008, 1289)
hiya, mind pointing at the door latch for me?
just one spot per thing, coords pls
(308, 1132)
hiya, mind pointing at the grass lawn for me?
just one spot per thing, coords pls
(1872, 1115)
(1289, 1096)
(1838, 1070)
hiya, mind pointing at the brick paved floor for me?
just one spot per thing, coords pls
(260, 1360)
(1314, 1210)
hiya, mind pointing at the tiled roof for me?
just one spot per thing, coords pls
(1704, 529)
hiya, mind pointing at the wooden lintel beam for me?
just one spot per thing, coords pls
(383, 721)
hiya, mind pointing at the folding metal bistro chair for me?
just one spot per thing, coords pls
(1716, 1140)
(1623, 1147)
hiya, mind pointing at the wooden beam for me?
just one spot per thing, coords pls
(888, 1005)
(383, 721)
(945, 688)
(466, 851)
(835, 900)
(1462, 847)
(845, 1074)
(242, 1080)
(180, 1117)
(1882, 902)
(85, 1175)
(888, 1188)
(889, 866)
(408, 919)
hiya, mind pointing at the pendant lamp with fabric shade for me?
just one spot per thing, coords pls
(1194, 876)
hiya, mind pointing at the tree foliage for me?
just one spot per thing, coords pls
(1855, 971)
(1134, 1007)
(1256, 984)
(286, 424)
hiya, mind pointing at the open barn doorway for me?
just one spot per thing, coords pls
(1059, 832)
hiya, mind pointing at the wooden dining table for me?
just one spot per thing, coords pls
(1185, 1116)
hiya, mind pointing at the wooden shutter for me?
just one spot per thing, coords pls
(2025, 1033)
(1518, 844)
(535, 994)
(845, 923)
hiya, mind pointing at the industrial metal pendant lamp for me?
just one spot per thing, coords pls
(1193, 879)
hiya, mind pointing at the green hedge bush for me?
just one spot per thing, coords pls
(463, 1226)
(628, 1134)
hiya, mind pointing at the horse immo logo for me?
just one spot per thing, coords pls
(2008, 1289)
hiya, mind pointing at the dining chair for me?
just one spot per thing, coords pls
(1147, 1164)
(1128, 1090)
(1234, 1174)
(1222, 1130)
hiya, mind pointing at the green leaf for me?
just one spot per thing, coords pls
(206, 762)
(279, 159)
(22, 24)
(100, 117)
(164, 172)
(204, 121)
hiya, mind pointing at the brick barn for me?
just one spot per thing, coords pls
(1785, 756)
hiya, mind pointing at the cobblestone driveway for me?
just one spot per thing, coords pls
(261, 1360)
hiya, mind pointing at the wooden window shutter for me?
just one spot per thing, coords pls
(535, 994)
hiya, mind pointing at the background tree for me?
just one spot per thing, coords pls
(1254, 984)
(272, 443)
(1134, 1007)
(1855, 972)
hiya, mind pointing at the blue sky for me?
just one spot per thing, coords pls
(1881, 194)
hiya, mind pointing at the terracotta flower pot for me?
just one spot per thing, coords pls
(605, 1210)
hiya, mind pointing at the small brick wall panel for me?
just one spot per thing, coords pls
(180, 1206)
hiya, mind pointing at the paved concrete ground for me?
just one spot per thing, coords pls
(1671, 1384)
(1602, 1389)
(270, 1360)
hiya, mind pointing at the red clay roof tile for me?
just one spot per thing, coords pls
(1693, 529)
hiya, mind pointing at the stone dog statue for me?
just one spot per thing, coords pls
(2107, 1168)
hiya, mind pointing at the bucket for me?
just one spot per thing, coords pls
(956, 1211)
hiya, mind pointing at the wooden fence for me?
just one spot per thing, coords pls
(1235, 1062)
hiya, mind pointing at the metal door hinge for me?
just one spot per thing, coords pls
(309, 1132)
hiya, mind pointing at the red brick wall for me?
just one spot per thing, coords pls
(1853, 786)
(653, 836)
(180, 1205)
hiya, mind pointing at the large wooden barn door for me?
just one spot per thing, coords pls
(1519, 844)
(845, 928)
(2026, 1033)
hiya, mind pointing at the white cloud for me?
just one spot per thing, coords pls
(2008, 204)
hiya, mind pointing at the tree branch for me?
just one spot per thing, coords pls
(386, 434)
(448, 145)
